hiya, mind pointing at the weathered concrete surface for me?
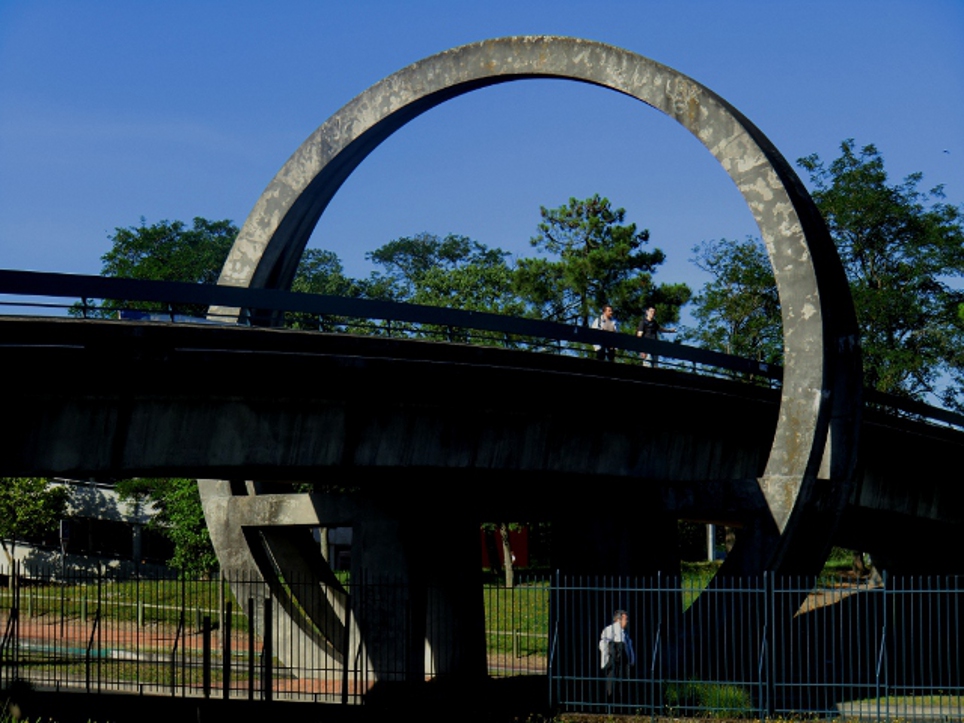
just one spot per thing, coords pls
(161, 399)
(139, 400)
(524, 436)
(816, 431)
(428, 616)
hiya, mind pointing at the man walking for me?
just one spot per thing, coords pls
(616, 653)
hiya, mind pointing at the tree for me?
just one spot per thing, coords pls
(738, 311)
(179, 517)
(506, 555)
(29, 506)
(321, 272)
(170, 251)
(594, 258)
(164, 251)
(454, 272)
(903, 251)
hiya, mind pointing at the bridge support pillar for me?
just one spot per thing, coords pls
(426, 615)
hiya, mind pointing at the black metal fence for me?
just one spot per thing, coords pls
(764, 648)
(80, 630)
(758, 649)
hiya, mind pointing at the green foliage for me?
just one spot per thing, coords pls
(29, 506)
(164, 251)
(170, 251)
(701, 699)
(321, 272)
(594, 258)
(738, 311)
(903, 251)
(520, 613)
(454, 272)
(179, 517)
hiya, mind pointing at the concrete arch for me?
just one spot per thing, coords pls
(812, 458)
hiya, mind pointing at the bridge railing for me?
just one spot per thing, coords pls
(36, 293)
(44, 293)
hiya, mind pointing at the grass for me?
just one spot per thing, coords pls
(714, 700)
(152, 602)
(517, 619)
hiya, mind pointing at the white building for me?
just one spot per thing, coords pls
(100, 532)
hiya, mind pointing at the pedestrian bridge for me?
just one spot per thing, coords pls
(451, 429)
(441, 435)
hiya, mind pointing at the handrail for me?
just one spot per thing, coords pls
(258, 302)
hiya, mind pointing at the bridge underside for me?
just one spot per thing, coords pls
(522, 436)
(440, 435)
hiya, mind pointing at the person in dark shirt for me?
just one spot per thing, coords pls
(649, 328)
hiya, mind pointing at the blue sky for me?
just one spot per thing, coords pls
(115, 110)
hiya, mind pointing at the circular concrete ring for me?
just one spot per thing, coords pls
(816, 432)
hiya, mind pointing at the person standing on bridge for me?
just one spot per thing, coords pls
(649, 328)
(605, 322)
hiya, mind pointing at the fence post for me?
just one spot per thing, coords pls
(206, 655)
(554, 693)
(100, 639)
(177, 638)
(761, 665)
(250, 648)
(882, 653)
(63, 584)
(267, 651)
(346, 658)
(770, 637)
(226, 651)
(95, 631)
(656, 683)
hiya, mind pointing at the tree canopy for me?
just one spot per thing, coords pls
(29, 506)
(452, 271)
(738, 311)
(902, 249)
(591, 258)
(170, 251)
(178, 515)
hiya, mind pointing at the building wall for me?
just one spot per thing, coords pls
(101, 532)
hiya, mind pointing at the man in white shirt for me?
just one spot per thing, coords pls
(616, 650)
(605, 322)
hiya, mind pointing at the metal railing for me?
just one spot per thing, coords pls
(37, 293)
(80, 630)
(770, 648)
(764, 649)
